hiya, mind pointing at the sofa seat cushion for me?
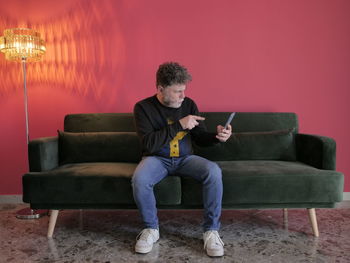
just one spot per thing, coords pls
(270, 182)
(93, 183)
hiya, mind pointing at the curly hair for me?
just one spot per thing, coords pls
(170, 73)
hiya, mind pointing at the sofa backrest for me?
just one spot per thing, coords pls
(99, 122)
(111, 137)
(253, 121)
(256, 136)
(124, 122)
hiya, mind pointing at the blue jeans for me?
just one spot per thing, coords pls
(152, 169)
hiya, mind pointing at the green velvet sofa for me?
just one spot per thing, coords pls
(266, 164)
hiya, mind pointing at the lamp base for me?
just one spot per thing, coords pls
(28, 213)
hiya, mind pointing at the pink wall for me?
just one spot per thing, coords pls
(255, 55)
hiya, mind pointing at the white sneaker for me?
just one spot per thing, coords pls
(145, 240)
(213, 244)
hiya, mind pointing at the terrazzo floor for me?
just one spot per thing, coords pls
(109, 236)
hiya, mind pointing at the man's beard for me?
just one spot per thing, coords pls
(172, 104)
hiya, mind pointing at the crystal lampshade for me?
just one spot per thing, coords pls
(22, 43)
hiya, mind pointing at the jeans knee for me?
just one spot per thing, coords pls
(215, 173)
(138, 181)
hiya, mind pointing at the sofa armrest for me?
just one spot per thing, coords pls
(315, 150)
(43, 154)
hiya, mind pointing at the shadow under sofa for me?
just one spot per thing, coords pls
(265, 164)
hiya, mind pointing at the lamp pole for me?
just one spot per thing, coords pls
(28, 213)
(25, 97)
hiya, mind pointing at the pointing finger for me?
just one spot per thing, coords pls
(198, 118)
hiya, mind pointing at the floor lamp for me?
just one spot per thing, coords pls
(25, 45)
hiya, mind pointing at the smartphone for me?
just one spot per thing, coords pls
(229, 119)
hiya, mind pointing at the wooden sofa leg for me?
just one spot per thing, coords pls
(285, 214)
(313, 220)
(285, 218)
(52, 222)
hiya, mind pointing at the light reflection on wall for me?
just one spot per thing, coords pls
(85, 51)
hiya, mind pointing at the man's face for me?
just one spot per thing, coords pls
(172, 96)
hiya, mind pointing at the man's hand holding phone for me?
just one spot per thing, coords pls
(224, 132)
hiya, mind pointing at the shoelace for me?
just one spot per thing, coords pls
(215, 235)
(144, 234)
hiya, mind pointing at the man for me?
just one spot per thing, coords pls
(166, 123)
